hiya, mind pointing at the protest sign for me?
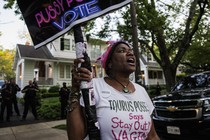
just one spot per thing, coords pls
(49, 19)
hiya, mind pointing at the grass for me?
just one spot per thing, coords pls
(61, 126)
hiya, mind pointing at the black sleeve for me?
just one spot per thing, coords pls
(25, 88)
(18, 88)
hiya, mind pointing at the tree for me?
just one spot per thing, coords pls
(9, 5)
(195, 59)
(7, 56)
(6, 63)
(165, 29)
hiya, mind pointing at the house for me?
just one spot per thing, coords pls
(52, 64)
(151, 71)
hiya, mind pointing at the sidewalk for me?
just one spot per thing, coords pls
(31, 129)
(36, 131)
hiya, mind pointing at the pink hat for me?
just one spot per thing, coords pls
(103, 58)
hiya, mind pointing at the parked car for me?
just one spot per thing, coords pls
(185, 111)
(1, 83)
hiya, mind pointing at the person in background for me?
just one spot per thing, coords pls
(63, 97)
(158, 89)
(38, 98)
(30, 100)
(6, 94)
(15, 89)
(123, 108)
(35, 83)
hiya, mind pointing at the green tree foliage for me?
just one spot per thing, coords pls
(6, 63)
(156, 22)
(166, 29)
(10, 4)
(197, 57)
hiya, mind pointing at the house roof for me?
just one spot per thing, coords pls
(29, 52)
(150, 64)
(26, 51)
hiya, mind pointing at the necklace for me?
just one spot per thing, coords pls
(125, 89)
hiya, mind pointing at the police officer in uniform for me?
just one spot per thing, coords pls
(64, 94)
(30, 100)
(6, 94)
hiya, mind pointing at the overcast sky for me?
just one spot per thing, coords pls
(10, 27)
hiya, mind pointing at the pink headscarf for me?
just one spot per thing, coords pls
(104, 56)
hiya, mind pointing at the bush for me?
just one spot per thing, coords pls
(48, 95)
(20, 100)
(42, 91)
(38, 99)
(50, 108)
(152, 93)
(54, 89)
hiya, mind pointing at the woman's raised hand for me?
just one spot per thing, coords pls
(79, 74)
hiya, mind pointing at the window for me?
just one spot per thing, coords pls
(65, 44)
(160, 74)
(149, 57)
(68, 72)
(61, 71)
(155, 74)
(73, 45)
(151, 74)
(95, 51)
(64, 71)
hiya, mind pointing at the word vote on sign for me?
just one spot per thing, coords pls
(48, 19)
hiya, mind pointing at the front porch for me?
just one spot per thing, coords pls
(45, 82)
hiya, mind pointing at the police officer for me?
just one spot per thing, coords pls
(158, 89)
(6, 94)
(30, 100)
(64, 94)
(15, 89)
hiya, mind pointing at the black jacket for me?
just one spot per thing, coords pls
(15, 89)
(64, 93)
(6, 92)
(30, 92)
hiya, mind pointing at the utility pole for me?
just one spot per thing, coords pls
(135, 40)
